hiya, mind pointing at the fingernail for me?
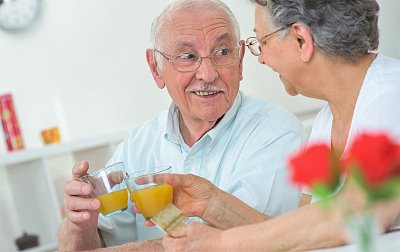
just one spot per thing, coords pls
(85, 189)
(95, 204)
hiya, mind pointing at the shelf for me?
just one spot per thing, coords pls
(60, 148)
(32, 189)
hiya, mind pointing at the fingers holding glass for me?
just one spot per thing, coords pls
(149, 195)
(153, 198)
(107, 186)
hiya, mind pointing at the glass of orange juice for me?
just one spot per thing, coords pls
(149, 196)
(109, 188)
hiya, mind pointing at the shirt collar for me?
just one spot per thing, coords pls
(173, 135)
(172, 132)
(228, 118)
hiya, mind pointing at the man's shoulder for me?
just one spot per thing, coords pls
(268, 111)
(152, 126)
(261, 105)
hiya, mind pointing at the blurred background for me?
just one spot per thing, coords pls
(81, 68)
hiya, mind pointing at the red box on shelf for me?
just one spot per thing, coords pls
(9, 121)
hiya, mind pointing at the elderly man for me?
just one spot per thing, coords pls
(211, 129)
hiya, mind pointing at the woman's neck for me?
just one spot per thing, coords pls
(347, 83)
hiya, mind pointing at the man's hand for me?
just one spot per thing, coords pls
(79, 229)
(81, 210)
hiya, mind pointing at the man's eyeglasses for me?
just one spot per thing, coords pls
(254, 43)
(188, 62)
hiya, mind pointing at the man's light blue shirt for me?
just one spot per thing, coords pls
(245, 154)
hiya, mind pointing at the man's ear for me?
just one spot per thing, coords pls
(305, 42)
(241, 56)
(152, 63)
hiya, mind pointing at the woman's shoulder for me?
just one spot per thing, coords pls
(384, 71)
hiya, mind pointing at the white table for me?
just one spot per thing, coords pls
(389, 242)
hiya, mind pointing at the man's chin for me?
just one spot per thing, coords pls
(213, 117)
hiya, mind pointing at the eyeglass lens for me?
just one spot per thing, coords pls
(191, 62)
(254, 45)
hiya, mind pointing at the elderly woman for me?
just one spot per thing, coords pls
(324, 50)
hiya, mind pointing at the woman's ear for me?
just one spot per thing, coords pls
(305, 42)
(152, 63)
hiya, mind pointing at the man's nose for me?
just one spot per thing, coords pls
(206, 71)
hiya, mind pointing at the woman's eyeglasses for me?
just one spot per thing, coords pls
(254, 43)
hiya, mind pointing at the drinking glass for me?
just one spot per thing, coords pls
(109, 188)
(150, 197)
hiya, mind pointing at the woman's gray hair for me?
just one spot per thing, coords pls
(157, 34)
(346, 29)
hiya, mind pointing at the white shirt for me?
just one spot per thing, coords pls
(245, 155)
(377, 107)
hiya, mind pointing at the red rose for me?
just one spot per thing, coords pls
(376, 156)
(396, 163)
(313, 166)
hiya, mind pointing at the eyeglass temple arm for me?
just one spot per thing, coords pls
(166, 57)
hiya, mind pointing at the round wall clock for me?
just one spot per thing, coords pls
(19, 14)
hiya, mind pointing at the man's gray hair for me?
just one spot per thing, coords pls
(157, 35)
(340, 28)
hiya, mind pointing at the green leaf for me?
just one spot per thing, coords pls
(386, 191)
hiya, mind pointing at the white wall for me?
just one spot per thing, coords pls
(82, 66)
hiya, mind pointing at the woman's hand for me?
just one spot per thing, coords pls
(191, 193)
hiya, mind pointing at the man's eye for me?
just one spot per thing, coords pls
(187, 56)
(222, 52)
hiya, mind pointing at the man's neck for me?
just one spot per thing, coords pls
(192, 131)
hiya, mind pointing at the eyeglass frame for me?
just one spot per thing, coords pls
(260, 39)
(200, 60)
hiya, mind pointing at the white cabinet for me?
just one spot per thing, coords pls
(31, 187)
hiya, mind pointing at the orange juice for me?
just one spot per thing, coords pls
(114, 201)
(152, 199)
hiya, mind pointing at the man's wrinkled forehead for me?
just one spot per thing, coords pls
(225, 39)
(186, 25)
